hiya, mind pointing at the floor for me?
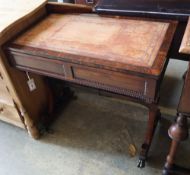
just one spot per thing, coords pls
(92, 135)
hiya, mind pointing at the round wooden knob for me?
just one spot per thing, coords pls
(1, 109)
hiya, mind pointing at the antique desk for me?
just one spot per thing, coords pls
(122, 55)
(179, 130)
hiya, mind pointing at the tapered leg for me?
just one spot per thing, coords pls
(154, 116)
(177, 132)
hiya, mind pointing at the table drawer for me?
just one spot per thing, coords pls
(38, 64)
(111, 79)
(10, 114)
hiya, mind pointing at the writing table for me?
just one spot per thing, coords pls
(122, 55)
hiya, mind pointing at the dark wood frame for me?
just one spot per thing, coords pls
(16, 56)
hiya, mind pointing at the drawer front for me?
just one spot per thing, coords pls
(10, 114)
(39, 63)
(109, 78)
(4, 94)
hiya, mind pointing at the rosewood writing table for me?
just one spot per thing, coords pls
(179, 130)
(122, 55)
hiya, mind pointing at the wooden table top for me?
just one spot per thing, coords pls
(125, 42)
(185, 46)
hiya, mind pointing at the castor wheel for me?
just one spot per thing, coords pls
(141, 163)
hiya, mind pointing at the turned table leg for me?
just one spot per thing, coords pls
(178, 132)
(154, 116)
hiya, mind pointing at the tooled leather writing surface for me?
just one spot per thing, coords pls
(127, 41)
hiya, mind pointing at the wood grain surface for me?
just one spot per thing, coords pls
(127, 41)
(185, 46)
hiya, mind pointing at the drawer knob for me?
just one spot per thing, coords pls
(1, 110)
